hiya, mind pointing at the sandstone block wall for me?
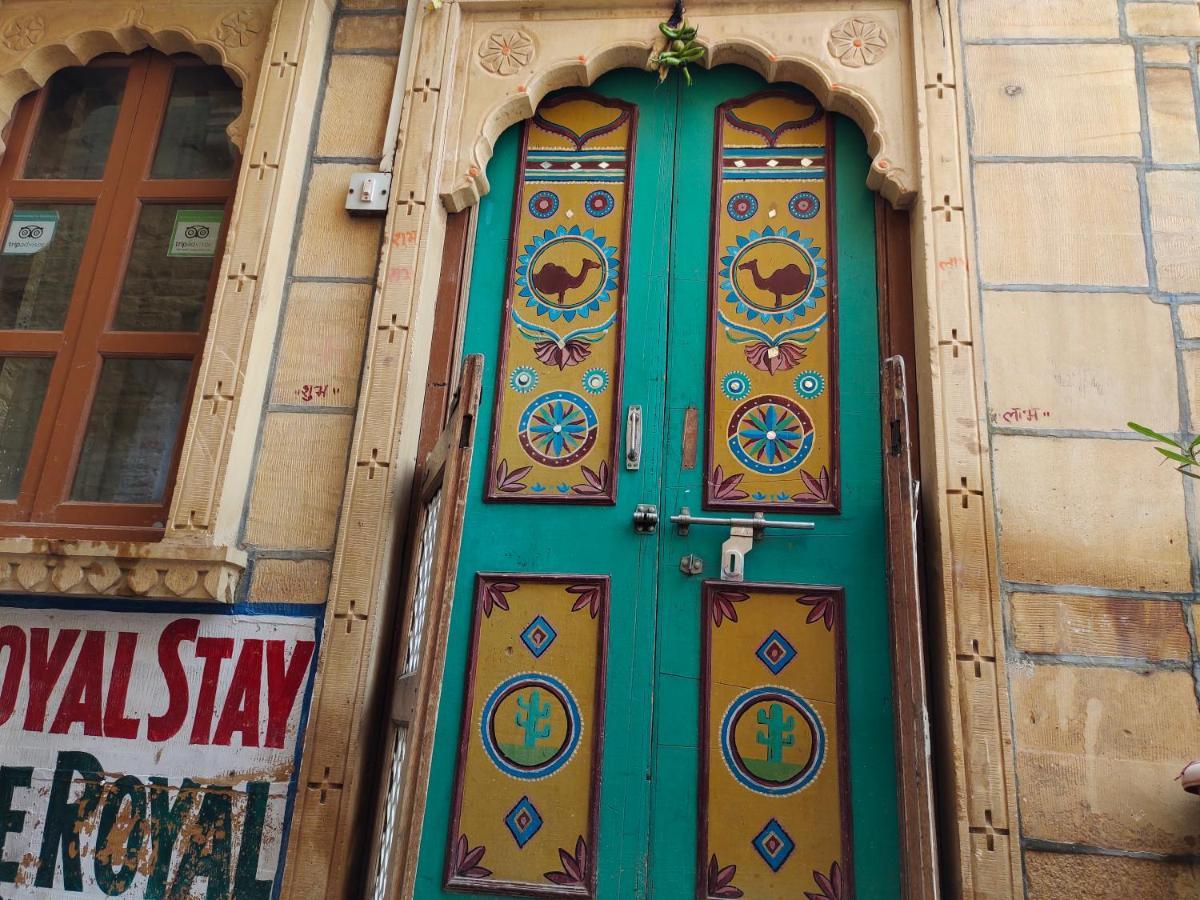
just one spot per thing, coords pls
(291, 523)
(1085, 178)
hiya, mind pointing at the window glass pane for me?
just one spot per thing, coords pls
(130, 437)
(166, 282)
(193, 142)
(39, 262)
(23, 381)
(75, 130)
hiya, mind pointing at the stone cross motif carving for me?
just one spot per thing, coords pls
(506, 52)
(858, 42)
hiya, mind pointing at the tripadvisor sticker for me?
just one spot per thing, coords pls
(29, 231)
(195, 232)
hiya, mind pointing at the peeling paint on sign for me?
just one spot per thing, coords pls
(149, 750)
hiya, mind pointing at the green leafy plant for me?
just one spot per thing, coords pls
(1184, 454)
(681, 49)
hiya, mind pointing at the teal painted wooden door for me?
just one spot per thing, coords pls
(613, 722)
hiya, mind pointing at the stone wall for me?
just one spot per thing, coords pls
(1085, 179)
(291, 524)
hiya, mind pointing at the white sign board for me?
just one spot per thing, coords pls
(149, 750)
(29, 231)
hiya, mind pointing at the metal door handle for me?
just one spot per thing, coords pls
(633, 439)
(684, 520)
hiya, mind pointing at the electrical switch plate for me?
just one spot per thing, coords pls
(368, 193)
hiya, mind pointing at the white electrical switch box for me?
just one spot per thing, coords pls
(368, 194)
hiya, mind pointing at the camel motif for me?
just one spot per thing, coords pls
(783, 282)
(552, 278)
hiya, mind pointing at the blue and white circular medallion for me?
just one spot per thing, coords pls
(595, 381)
(809, 385)
(523, 379)
(735, 385)
(804, 205)
(741, 206)
(543, 204)
(599, 203)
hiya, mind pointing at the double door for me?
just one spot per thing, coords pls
(667, 669)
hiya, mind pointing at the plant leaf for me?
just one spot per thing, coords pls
(1150, 433)
(1178, 457)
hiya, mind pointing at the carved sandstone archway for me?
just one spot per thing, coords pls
(505, 70)
(38, 39)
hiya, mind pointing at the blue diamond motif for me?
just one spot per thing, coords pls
(774, 845)
(524, 821)
(538, 636)
(775, 652)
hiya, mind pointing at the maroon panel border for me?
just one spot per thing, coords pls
(834, 505)
(836, 595)
(491, 494)
(451, 880)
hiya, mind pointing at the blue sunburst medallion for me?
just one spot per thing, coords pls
(775, 275)
(567, 272)
(770, 434)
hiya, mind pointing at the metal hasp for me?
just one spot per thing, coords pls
(645, 518)
(743, 533)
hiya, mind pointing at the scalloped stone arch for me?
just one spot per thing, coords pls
(28, 70)
(865, 94)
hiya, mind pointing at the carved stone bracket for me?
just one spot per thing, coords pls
(48, 567)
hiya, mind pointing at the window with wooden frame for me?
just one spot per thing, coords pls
(115, 188)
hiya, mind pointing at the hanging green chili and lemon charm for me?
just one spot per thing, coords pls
(681, 49)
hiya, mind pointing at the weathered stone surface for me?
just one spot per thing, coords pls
(1050, 361)
(1100, 626)
(1048, 224)
(298, 483)
(332, 242)
(1174, 214)
(356, 84)
(1169, 54)
(368, 33)
(320, 354)
(1163, 19)
(1055, 100)
(1189, 321)
(1057, 876)
(290, 581)
(1039, 18)
(1098, 750)
(1172, 109)
(1092, 512)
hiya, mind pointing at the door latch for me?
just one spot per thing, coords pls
(733, 552)
(645, 518)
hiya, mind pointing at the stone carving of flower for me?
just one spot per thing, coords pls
(237, 29)
(23, 33)
(506, 52)
(858, 42)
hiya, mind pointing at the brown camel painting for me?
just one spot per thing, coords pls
(554, 279)
(786, 281)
